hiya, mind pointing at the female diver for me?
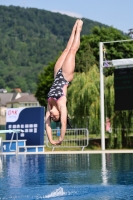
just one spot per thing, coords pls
(63, 75)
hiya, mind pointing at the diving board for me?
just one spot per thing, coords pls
(17, 145)
(11, 131)
(10, 142)
(120, 62)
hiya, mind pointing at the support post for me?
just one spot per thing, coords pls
(102, 96)
(16, 142)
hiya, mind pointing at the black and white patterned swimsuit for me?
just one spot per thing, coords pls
(56, 89)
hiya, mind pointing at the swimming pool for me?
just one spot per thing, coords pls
(66, 177)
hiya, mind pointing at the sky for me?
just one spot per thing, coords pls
(116, 13)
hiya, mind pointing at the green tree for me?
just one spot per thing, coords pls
(83, 99)
(30, 39)
(45, 80)
(113, 50)
(84, 58)
(84, 107)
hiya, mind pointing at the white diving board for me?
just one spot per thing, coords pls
(120, 62)
(11, 131)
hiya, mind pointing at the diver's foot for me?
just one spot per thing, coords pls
(80, 24)
(75, 25)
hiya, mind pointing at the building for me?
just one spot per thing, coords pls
(15, 100)
(24, 101)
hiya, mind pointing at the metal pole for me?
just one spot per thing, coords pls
(17, 142)
(0, 114)
(102, 96)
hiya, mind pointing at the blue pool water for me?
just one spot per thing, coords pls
(66, 177)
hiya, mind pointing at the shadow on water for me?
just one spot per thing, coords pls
(69, 176)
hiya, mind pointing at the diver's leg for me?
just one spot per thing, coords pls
(61, 59)
(68, 66)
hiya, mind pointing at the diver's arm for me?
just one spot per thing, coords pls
(63, 111)
(48, 128)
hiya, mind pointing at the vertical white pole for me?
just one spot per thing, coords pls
(104, 171)
(102, 96)
(17, 142)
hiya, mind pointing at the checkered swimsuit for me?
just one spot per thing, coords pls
(56, 89)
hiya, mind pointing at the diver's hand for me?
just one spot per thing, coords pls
(60, 139)
(55, 142)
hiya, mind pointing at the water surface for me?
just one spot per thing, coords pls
(67, 177)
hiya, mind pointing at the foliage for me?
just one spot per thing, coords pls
(84, 58)
(113, 50)
(44, 83)
(83, 106)
(30, 39)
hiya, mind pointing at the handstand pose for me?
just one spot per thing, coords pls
(63, 74)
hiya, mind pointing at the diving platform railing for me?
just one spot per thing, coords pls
(17, 146)
(14, 131)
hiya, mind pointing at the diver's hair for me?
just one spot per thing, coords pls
(57, 120)
(68, 121)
